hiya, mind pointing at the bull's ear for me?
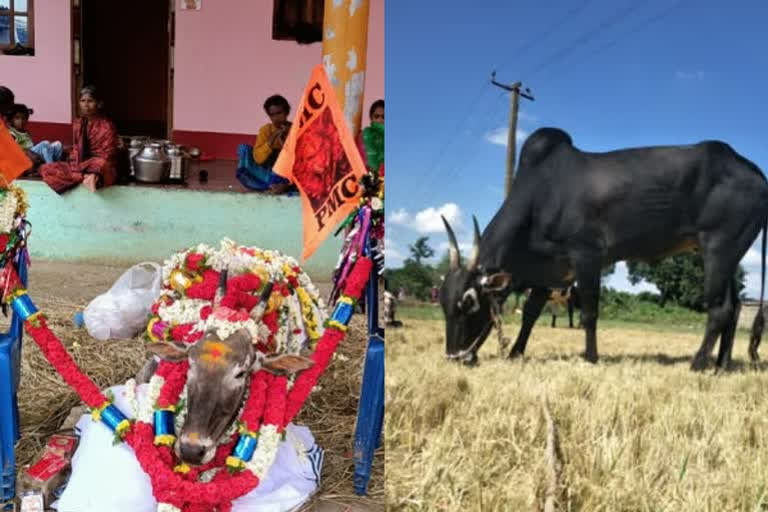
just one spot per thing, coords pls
(169, 351)
(496, 282)
(286, 363)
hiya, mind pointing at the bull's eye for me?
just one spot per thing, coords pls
(469, 302)
(240, 375)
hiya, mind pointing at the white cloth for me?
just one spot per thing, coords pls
(108, 478)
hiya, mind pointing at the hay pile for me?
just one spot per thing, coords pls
(45, 401)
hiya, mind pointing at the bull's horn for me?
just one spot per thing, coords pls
(258, 311)
(453, 248)
(221, 291)
(475, 246)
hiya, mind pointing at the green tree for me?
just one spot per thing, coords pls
(679, 279)
(414, 276)
(421, 250)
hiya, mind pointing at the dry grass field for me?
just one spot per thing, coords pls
(637, 432)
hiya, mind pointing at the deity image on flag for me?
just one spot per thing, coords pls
(320, 156)
(320, 159)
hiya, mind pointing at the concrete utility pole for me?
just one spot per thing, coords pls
(515, 91)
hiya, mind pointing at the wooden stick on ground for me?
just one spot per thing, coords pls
(554, 463)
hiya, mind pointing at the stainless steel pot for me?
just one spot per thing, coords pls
(152, 164)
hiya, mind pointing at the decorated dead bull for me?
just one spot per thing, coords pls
(229, 313)
(242, 338)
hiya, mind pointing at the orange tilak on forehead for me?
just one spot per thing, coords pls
(215, 352)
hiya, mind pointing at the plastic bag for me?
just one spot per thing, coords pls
(123, 311)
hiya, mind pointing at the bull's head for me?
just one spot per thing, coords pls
(217, 379)
(465, 297)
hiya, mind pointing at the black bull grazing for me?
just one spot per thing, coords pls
(571, 212)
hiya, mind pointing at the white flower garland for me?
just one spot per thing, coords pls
(147, 407)
(181, 415)
(268, 264)
(130, 396)
(264, 456)
(225, 329)
(8, 208)
(182, 311)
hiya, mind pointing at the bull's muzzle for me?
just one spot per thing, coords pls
(193, 449)
(192, 453)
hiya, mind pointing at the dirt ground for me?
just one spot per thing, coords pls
(66, 288)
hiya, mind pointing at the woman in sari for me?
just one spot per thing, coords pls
(93, 159)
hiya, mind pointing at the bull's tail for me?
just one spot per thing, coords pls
(759, 323)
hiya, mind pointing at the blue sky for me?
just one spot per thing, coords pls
(613, 74)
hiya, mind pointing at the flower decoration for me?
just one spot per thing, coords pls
(250, 446)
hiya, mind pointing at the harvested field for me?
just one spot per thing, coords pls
(637, 431)
(60, 290)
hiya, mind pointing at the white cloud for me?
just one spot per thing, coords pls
(429, 221)
(689, 75)
(400, 216)
(752, 257)
(499, 136)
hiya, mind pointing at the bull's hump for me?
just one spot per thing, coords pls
(541, 144)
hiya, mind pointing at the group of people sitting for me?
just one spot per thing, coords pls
(255, 162)
(92, 159)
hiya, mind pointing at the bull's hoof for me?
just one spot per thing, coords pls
(723, 368)
(591, 358)
(699, 364)
(471, 361)
(753, 355)
(515, 354)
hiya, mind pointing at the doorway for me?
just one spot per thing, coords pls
(125, 52)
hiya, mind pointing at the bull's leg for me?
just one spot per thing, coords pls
(721, 258)
(570, 313)
(554, 318)
(531, 312)
(718, 273)
(588, 276)
(727, 338)
(720, 313)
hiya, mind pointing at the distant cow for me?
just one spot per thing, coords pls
(561, 298)
(571, 212)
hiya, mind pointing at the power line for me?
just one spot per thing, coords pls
(570, 48)
(582, 39)
(637, 28)
(430, 176)
(559, 23)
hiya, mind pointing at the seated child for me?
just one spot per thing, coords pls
(254, 168)
(45, 150)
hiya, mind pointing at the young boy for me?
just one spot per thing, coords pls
(47, 151)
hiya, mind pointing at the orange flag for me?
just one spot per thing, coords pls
(13, 160)
(321, 158)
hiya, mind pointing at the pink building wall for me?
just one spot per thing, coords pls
(226, 64)
(44, 82)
